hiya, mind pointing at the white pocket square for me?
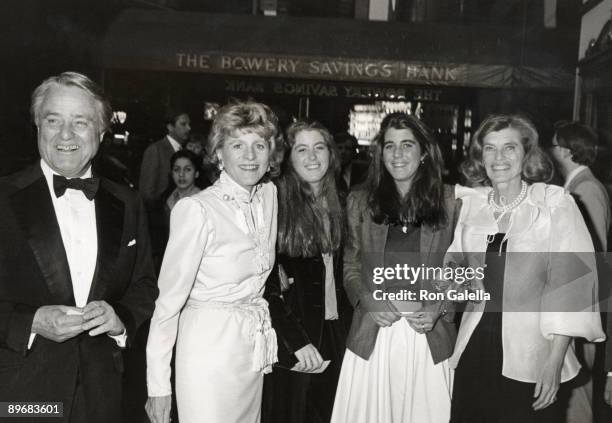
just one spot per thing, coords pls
(132, 242)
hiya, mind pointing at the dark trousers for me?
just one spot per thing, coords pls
(293, 397)
(90, 405)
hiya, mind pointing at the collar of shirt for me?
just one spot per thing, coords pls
(231, 188)
(48, 173)
(573, 174)
(174, 143)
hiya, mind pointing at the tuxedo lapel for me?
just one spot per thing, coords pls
(35, 213)
(109, 222)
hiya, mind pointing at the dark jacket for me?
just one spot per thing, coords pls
(155, 172)
(364, 250)
(34, 272)
(298, 313)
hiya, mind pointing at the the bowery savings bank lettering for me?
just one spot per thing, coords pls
(304, 67)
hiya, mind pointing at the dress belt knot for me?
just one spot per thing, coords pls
(259, 328)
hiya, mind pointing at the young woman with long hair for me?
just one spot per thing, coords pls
(395, 367)
(309, 319)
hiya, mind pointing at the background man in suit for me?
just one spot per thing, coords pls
(155, 177)
(155, 167)
(76, 278)
(352, 172)
(574, 148)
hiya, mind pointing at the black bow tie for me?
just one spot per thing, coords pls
(89, 186)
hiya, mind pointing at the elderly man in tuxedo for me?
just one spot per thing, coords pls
(76, 278)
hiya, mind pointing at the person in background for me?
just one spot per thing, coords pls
(197, 145)
(307, 301)
(76, 279)
(185, 168)
(155, 177)
(574, 148)
(352, 172)
(155, 167)
(395, 368)
(513, 355)
(220, 252)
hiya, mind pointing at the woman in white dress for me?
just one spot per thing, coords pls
(220, 252)
(395, 368)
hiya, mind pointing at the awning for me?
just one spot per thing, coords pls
(335, 50)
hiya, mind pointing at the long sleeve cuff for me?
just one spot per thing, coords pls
(120, 339)
(31, 340)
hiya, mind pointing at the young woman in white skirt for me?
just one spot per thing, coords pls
(395, 369)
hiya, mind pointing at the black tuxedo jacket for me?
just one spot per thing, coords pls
(34, 272)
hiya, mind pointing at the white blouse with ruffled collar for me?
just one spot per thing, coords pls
(550, 276)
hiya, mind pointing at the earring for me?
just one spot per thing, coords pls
(220, 165)
(269, 167)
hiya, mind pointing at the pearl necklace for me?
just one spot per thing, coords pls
(508, 207)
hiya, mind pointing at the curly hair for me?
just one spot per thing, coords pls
(536, 166)
(424, 203)
(304, 234)
(247, 117)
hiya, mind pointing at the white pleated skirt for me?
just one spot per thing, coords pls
(398, 384)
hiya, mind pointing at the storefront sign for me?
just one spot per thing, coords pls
(323, 68)
(365, 52)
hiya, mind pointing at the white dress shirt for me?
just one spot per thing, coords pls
(174, 143)
(76, 217)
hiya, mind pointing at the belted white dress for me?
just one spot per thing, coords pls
(220, 252)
